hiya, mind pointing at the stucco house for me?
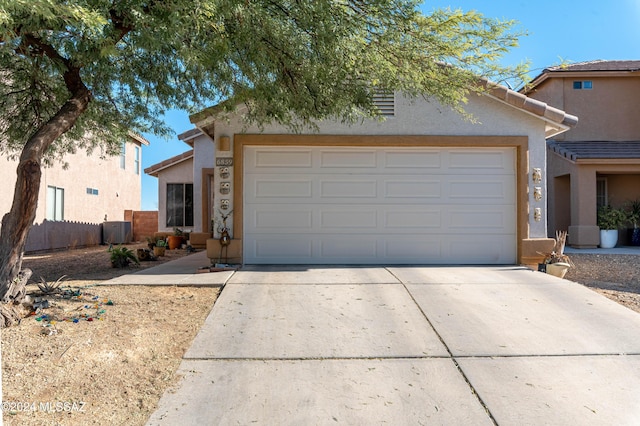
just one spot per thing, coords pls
(424, 186)
(597, 162)
(89, 191)
(175, 188)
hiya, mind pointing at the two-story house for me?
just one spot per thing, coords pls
(88, 190)
(598, 161)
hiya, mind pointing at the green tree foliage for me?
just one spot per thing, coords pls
(72, 68)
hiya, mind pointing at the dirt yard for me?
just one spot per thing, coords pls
(103, 354)
(65, 369)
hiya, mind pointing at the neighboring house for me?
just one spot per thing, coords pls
(597, 162)
(425, 186)
(89, 191)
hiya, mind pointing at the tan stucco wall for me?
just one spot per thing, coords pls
(118, 189)
(551, 93)
(608, 112)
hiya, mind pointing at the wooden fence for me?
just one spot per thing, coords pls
(54, 235)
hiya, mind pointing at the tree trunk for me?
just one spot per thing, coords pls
(11, 313)
(17, 223)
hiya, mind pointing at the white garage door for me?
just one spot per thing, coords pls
(338, 205)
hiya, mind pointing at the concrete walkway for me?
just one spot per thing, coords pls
(408, 345)
(180, 272)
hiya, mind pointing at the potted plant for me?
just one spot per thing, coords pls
(557, 263)
(159, 248)
(609, 221)
(151, 242)
(633, 216)
(176, 239)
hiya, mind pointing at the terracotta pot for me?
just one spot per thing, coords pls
(158, 251)
(174, 241)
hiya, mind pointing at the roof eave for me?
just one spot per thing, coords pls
(547, 74)
(609, 161)
(138, 138)
(556, 121)
(155, 169)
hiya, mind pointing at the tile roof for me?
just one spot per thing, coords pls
(601, 150)
(153, 170)
(596, 68)
(138, 137)
(597, 65)
(533, 106)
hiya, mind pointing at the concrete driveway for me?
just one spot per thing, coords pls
(408, 345)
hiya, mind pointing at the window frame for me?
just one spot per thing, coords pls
(582, 84)
(123, 156)
(179, 205)
(136, 161)
(602, 196)
(55, 203)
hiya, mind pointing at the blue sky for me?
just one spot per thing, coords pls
(559, 30)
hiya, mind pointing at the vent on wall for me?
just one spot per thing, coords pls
(385, 102)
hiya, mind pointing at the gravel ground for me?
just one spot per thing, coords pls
(615, 276)
(103, 357)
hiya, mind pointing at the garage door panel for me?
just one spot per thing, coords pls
(465, 221)
(413, 160)
(358, 246)
(491, 249)
(474, 161)
(479, 190)
(431, 188)
(279, 249)
(412, 249)
(381, 205)
(282, 188)
(348, 188)
(278, 219)
(332, 220)
(279, 158)
(412, 220)
(362, 249)
(341, 159)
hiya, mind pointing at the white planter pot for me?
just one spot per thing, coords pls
(608, 238)
(558, 269)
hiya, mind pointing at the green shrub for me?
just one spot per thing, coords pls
(610, 218)
(121, 257)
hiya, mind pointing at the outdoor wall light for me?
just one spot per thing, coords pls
(536, 175)
(225, 143)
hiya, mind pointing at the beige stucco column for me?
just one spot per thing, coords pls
(583, 232)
